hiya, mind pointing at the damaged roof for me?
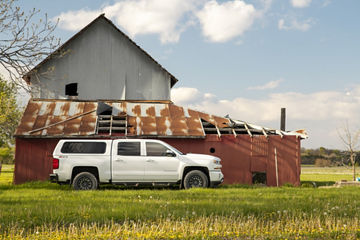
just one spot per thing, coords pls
(73, 118)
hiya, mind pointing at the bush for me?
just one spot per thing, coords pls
(322, 162)
(7, 155)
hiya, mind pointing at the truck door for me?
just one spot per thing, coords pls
(160, 165)
(127, 162)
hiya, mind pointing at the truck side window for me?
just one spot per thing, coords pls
(84, 147)
(129, 148)
(155, 149)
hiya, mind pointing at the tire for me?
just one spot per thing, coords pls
(195, 178)
(85, 181)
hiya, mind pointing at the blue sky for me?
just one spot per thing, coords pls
(247, 58)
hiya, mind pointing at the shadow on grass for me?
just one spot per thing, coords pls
(316, 183)
(35, 185)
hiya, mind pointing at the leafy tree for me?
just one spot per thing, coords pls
(9, 112)
(25, 39)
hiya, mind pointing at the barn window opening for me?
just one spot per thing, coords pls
(259, 177)
(71, 89)
(212, 150)
(107, 123)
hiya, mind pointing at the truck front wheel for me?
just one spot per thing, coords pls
(195, 178)
(85, 181)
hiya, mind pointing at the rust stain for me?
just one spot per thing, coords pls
(178, 126)
(57, 129)
(150, 111)
(32, 108)
(148, 126)
(176, 111)
(89, 106)
(72, 127)
(26, 124)
(194, 127)
(50, 109)
(221, 122)
(165, 112)
(137, 110)
(39, 123)
(207, 118)
(64, 110)
(80, 108)
(161, 126)
(131, 121)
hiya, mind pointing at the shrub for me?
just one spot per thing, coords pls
(7, 155)
(322, 162)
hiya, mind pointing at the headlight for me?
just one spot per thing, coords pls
(216, 162)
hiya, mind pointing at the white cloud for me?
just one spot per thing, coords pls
(76, 20)
(161, 17)
(294, 24)
(222, 22)
(268, 85)
(300, 3)
(219, 22)
(320, 113)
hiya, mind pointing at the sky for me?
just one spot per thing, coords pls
(245, 58)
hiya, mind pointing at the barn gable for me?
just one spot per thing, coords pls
(100, 62)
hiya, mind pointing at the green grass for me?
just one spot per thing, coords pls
(41, 210)
(325, 175)
(6, 175)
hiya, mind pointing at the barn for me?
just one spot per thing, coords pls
(100, 84)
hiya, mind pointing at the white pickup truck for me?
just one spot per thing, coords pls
(87, 163)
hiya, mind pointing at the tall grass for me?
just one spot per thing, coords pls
(43, 210)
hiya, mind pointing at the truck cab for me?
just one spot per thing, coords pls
(87, 163)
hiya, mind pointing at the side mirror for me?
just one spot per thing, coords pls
(170, 153)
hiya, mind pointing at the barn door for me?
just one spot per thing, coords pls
(259, 156)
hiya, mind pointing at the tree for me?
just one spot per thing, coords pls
(9, 112)
(24, 40)
(351, 140)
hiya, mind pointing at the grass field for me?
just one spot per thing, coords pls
(43, 210)
(325, 175)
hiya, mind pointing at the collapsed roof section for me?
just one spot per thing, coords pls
(69, 118)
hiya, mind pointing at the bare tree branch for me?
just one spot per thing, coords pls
(351, 142)
(24, 41)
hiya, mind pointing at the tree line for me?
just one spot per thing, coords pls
(323, 157)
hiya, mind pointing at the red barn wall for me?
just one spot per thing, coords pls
(241, 156)
(33, 159)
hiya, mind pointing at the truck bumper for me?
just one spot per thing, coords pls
(216, 178)
(54, 178)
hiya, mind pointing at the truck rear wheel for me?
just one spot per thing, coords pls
(85, 181)
(195, 178)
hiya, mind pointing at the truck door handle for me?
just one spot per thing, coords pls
(119, 160)
(150, 160)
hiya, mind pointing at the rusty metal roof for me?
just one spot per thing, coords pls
(69, 118)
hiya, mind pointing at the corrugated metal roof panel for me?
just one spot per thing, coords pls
(78, 118)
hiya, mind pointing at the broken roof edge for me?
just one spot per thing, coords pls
(299, 133)
(173, 79)
(99, 100)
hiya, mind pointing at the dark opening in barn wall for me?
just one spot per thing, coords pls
(71, 89)
(258, 177)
